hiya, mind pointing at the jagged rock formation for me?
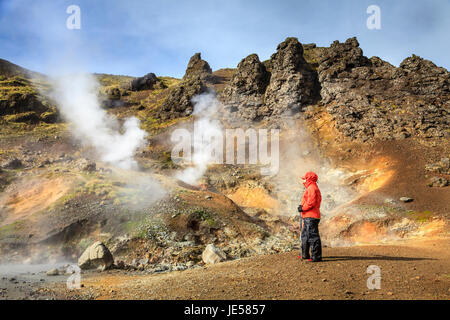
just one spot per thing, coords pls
(245, 94)
(371, 98)
(293, 84)
(178, 103)
(255, 93)
(197, 68)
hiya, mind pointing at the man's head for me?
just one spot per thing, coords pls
(310, 177)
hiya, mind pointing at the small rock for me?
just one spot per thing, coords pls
(406, 199)
(90, 167)
(53, 272)
(13, 164)
(190, 264)
(389, 201)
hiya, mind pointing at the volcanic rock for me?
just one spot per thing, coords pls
(178, 103)
(244, 94)
(89, 166)
(147, 82)
(97, 256)
(198, 68)
(370, 98)
(293, 84)
(13, 164)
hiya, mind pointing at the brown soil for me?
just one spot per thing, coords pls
(25, 199)
(413, 270)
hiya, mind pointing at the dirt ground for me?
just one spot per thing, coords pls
(418, 270)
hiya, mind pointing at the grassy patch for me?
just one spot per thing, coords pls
(11, 229)
(423, 216)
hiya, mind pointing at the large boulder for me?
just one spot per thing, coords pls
(97, 256)
(147, 82)
(212, 254)
(293, 83)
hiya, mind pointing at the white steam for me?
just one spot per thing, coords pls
(77, 99)
(207, 137)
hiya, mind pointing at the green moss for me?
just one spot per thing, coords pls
(169, 81)
(113, 80)
(30, 116)
(11, 229)
(423, 216)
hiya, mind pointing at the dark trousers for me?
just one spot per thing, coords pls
(311, 239)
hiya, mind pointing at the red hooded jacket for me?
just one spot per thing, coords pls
(312, 197)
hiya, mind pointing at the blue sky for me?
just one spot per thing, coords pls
(136, 37)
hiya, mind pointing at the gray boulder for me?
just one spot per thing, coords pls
(147, 82)
(97, 256)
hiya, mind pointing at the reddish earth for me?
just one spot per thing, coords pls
(413, 270)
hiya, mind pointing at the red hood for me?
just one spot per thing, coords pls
(310, 177)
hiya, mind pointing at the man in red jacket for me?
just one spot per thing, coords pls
(310, 211)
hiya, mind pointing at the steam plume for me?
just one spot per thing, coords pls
(76, 96)
(206, 106)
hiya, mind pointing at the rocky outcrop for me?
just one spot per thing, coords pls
(178, 103)
(97, 256)
(293, 84)
(369, 98)
(20, 102)
(339, 67)
(198, 68)
(281, 86)
(245, 92)
(147, 82)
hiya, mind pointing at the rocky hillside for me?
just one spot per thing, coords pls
(374, 132)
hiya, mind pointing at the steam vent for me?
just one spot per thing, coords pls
(196, 154)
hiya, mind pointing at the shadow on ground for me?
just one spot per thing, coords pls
(373, 258)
